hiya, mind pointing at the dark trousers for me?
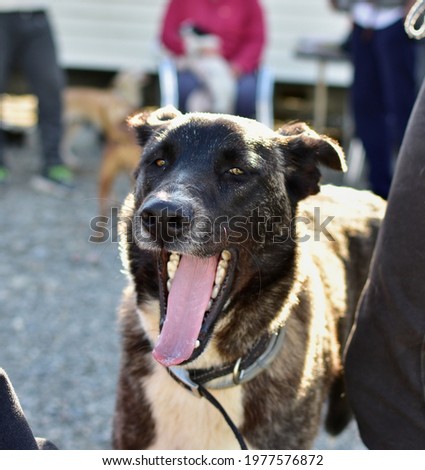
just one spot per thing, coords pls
(245, 93)
(383, 93)
(385, 360)
(26, 42)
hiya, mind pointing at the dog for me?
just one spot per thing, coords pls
(120, 154)
(203, 58)
(106, 110)
(243, 279)
(103, 108)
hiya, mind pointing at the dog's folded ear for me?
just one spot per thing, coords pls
(146, 123)
(303, 150)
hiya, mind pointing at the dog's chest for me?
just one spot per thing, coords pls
(184, 421)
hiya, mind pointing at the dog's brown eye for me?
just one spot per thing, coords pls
(160, 162)
(236, 171)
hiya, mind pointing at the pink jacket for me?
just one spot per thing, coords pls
(238, 23)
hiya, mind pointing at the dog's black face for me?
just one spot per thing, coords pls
(215, 199)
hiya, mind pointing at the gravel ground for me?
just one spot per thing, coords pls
(58, 299)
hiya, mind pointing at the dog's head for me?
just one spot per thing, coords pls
(215, 198)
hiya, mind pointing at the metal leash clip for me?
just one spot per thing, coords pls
(238, 374)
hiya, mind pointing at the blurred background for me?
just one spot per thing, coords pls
(96, 39)
(103, 37)
(59, 340)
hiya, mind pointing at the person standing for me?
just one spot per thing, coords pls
(26, 42)
(384, 86)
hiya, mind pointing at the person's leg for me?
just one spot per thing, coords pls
(38, 60)
(187, 83)
(7, 38)
(369, 109)
(385, 359)
(246, 95)
(398, 74)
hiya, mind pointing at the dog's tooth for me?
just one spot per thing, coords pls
(219, 276)
(169, 282)
(197, 344)
(226, 255)
(224, 264)
(175, 257)
(171, 269)
(209, 304)
(215, 292)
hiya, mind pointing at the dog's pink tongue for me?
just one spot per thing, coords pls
(187, 301)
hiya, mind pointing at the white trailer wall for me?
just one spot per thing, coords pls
(117, 34)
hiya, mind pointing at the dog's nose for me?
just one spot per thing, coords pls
(165, 218)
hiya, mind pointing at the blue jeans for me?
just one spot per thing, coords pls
(26, 41)
(383, 93)
(246, 92)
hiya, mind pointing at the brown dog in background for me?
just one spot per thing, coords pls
(120, 155)
(107, 111)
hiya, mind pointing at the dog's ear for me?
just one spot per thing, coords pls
(303, 150)
(146, 123)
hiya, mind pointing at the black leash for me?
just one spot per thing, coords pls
(206, 394)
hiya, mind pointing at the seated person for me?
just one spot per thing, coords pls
(218, 45)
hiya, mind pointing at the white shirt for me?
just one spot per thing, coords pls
(371, 16)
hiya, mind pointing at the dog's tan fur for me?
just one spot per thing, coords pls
(212, 431)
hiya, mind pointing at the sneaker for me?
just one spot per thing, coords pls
(4, 176)
(60, 174)
(57, 180)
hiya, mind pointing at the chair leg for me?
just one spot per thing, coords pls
(264, 100)
(355, 162)
(168, 83)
